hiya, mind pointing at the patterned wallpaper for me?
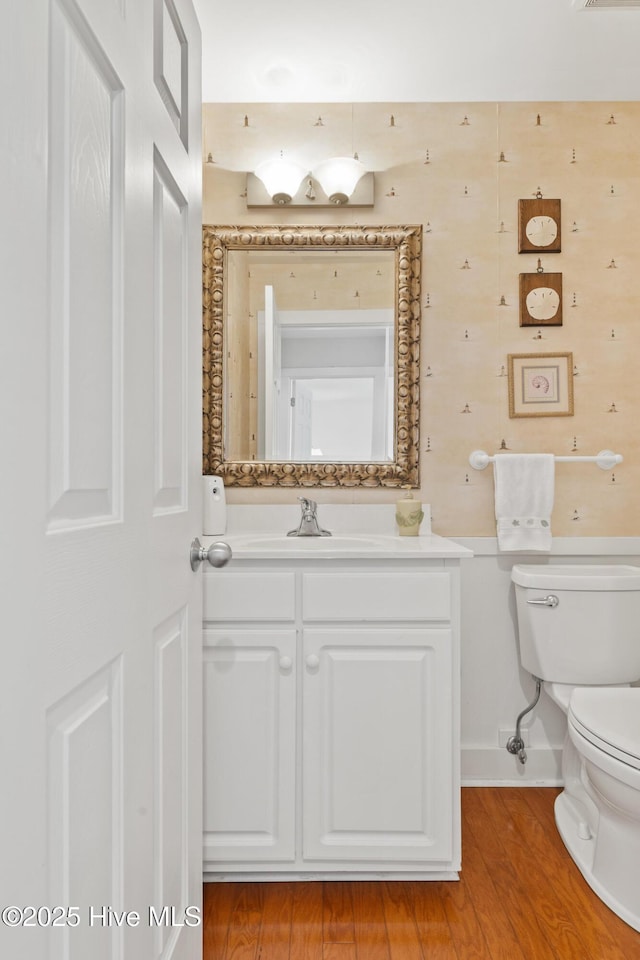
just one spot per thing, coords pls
(459, 170)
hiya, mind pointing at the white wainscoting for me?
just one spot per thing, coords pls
(494, 686)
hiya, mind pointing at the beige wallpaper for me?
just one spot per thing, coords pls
(459, 170)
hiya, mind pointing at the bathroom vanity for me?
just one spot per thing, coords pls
(331, 700)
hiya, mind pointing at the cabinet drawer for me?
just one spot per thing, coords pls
(376, 596)
(249, 596)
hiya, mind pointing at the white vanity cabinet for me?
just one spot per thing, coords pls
(331, 699)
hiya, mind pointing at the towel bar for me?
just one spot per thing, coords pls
(606, 459)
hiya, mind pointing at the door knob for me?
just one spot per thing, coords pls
(286, 663)
(218, 554)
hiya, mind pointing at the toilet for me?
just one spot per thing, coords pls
(579, 632)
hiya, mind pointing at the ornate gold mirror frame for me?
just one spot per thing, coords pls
(406, 242)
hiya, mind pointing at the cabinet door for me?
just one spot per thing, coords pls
(378, 742)
(249, 745)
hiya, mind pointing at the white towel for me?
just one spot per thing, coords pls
(524, 500)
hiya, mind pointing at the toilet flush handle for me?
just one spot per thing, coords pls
(549, 601)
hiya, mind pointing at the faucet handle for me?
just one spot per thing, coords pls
(308, 504)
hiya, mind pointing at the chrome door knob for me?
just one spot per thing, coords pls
(218, 554)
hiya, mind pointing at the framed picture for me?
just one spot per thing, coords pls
(540, 384)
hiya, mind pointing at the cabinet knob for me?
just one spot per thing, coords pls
(286, 663)
(312, 661)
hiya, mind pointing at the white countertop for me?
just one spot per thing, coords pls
(354, 546)
(359, 531)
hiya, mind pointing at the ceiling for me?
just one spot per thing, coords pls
(280, 51)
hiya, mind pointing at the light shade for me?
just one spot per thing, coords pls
(282, 178)
(338, 177)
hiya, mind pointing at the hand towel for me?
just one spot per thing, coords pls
(524, 488)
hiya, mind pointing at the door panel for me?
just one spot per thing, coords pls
(85, 763)
(85, 244)
(170, 224)
(171, 771)
(377, 744)
(249, 745)
(172, 68)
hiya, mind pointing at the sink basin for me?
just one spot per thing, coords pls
(376, 546)
(311, 544)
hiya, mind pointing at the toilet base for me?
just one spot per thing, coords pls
(574, 832)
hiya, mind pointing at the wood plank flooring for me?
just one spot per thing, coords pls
(520, 897)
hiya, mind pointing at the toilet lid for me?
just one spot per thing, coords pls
(610, 718)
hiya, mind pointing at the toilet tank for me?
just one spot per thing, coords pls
(592, 634)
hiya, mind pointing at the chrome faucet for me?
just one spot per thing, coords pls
(309, 521)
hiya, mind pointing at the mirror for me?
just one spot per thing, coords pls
(311, 355)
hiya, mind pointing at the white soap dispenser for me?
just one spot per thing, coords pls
(214, 516)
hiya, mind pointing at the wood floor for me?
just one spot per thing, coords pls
(520, 897)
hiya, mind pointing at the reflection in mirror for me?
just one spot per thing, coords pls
(311, 355)
(319, 330)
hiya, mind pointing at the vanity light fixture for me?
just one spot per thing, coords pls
(333, 182)
(281, 178)
(339, 177)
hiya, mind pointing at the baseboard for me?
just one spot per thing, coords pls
(493, 766)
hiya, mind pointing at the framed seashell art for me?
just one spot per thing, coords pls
(540, 384)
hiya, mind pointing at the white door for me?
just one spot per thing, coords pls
(271, 374)
(100, 182)
(302, 397)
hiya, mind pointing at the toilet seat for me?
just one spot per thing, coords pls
(609, 718)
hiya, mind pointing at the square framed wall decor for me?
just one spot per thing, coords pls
(540, 384)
